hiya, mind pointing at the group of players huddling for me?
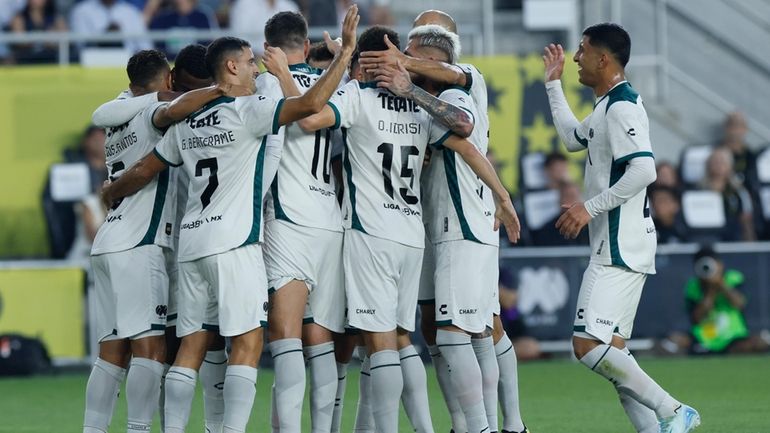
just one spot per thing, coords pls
(224, 220)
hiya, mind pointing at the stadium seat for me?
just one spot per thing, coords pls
(540, 207)
(532, 172)
(704, 215)
(693, 164)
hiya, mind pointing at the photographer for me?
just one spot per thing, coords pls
(714, 304)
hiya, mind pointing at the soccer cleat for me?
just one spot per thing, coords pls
(526, 430)
(684, 421)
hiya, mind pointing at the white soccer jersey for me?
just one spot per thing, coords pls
(222, 149)
(385, 137)
(146, 217)
(457, 204)
(477, 87)
(614, 133)
(304, 190)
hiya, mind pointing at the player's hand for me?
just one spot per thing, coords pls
(506, 214)
(373, 61)
(396, 79)
(573, 220)
(333, 45)
(104, 194)
(275, 61)
(553, 58)
(349, 29)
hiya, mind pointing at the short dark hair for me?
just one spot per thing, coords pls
(319, 52)
(192, 59)
(144, 66)
(554, 157)
(612, 37)
(219, 48)
(373, 39)
(286, 30)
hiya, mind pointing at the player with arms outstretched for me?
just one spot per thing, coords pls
(619, 166)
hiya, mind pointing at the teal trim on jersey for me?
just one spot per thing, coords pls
(157, 327)
(277, 115)
(367, 85)
(354, 221)
(157, 209)
(426, 302)
(304, 67)
(337, 117)
(152, 120)
(631, 156)
(582, 328)
(307, 320)
(622, 92)
(439, 144)
(207, 327)
(583, 142)
(257, 197)
(443, 322)
(454, 192)
(213, 103)
(468, 79)
(164, 160)
(279, 212)
(613, 218)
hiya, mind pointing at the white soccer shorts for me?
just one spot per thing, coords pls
(312, 255)
(382, 279)
(607, 302)
(427, 293)
(466, 283)
(131, 293)
(224, 292)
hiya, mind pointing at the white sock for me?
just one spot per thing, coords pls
(508, 386)
(629, 378)
(364, 417)
(415, 393)
(444, 382)
(339, 398)
(162, 398)
(101, 394)
(212, 377)
(289, 382)
(323, 385)
(180, 390)
(142, 391)
(642, 417)
(490, 374)
(275, 424)
(386, 388)
(239, 392)
(466, 377)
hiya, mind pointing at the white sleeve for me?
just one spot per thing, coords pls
(273, 152)
(567, 125)
(121, 110)
(628, 130)
(167, 149)
(459, 98)
(260, 114)
(268, 85)
(346, 103)
(639, 173)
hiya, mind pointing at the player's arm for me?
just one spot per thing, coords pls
(124, 108)
(314, 100)
(134, 179)
(396, 79)
(187, 104)
(480, 165)
(565, 121)
(374, 61)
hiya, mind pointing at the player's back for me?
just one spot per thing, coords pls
(304, 190)
(143, 218)
(222, 149)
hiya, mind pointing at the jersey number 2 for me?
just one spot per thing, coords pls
(386, 149)
(211, 164)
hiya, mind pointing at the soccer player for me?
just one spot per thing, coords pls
(303, 244)
(189, 73)
(619, 166)
(131, 282)
(222, 278)
(468, 77)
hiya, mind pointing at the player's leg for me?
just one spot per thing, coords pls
(642, 418)
(387, 381)
(508, 385)
(319, 355)
(343, 352)
(144, 379)
(212, 377)
(607, 301)
(364, 422)
(172, 341)
(109, 369)
(415, 393)
(241, 379)
(484, 349)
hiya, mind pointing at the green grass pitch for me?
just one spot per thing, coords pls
(731, 393)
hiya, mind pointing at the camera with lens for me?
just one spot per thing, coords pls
(706, 267)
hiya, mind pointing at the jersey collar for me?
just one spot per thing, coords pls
(601, 98)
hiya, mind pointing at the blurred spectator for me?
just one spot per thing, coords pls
(548, 235)
(734, 139)
(184, 14)
(60, 216)
(37, 16)
(667, 176)
(721, 178)
(556, 168)
(667, 215)
(248, 19)
(526, 347)
(89, 216)
(94, 17)
(330, 13)
(8, 10)
(714, 302)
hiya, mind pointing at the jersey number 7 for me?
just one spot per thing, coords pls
(211, 164)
